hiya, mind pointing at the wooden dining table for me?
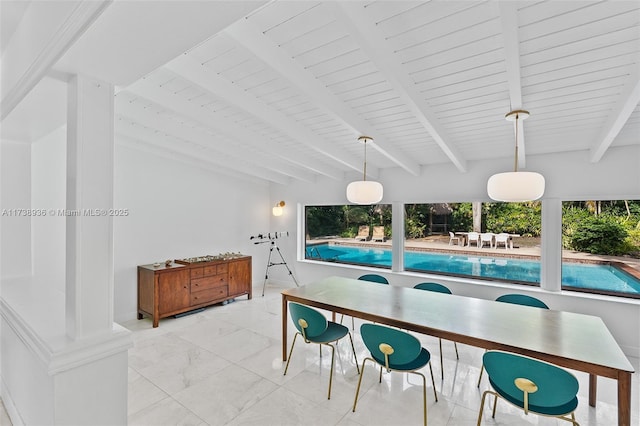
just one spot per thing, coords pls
(575, 341)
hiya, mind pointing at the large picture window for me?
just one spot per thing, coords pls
(601, 247)
(358, 235)
(487, 241)
(493, 241)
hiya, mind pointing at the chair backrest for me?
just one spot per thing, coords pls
(451, 235)
(486, 236)
(473, 236)
(316, 322)
(522, 299)
(378, 231)
(502, 237)
(556, 386)
(438, 288)
(406, 347)
(374, 278)
(363, 230)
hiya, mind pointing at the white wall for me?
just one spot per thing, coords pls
(48, 174)
(15, 170)
(568, 176)
(177, 210)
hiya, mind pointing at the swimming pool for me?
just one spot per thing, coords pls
(587, 277)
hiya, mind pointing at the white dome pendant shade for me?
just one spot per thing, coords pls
(364, 192)
(516, 186)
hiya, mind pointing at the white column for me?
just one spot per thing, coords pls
(89, 233)
(397, 237)
(551, 248)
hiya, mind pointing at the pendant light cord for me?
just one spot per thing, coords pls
(364, 177)
(515, 166)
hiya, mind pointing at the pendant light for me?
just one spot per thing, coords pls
(365, 192)
(516, 186)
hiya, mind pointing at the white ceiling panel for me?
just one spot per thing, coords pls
(282, 91)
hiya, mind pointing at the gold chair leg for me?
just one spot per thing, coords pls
(441, 360)
(480, 377)
(353, 324)
(424, 395)
(353, 348)
(482, 401)
(495, 404)
(333, 357)
(433, 382)
(290, 352)
(355, 401)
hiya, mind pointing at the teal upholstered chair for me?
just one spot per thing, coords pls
(374, 278)
(517, 299)
(522, 299)
(395, 350)
(438, 288)
(533, 385)
(314, 328)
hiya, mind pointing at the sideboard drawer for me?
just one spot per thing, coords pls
(208, 295)
(197, 272)
(205, 283)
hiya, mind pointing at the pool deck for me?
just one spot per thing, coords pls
(630, 265)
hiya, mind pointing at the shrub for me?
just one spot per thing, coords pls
(414, 228)
(598, 235)
(514, 218)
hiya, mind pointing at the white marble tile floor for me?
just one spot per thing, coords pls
(223, 366)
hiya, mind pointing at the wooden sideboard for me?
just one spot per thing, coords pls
(164, 290)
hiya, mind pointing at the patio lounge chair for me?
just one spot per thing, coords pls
(378, 233)
(453, 238)
(363, 233)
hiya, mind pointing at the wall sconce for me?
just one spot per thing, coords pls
(278, 209)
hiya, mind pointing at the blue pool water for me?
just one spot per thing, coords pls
(604, 278)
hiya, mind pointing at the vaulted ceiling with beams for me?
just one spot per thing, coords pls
(283, 93)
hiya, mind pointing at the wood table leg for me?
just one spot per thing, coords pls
(284, 327)
(593, 389)
(624, 398)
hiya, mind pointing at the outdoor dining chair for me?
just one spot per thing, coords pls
(532, 385)
(486, 237)
(395, 350)
(438, 288)
(503, 239)
(473, 237)
(314, 328)
(517, 299)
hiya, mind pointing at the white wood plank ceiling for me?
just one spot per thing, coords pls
(284, 93)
